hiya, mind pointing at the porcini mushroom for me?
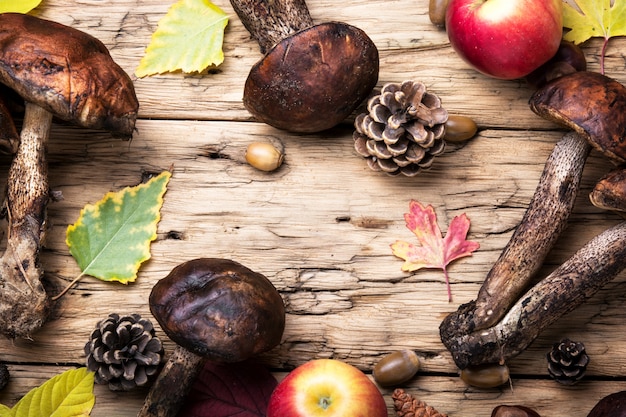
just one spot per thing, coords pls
(502, 322)
(59, 72)
(312, 76)
(214, 309)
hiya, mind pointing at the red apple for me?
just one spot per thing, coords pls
(326, 388)
(505, 39)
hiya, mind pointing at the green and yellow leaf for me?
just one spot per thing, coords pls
(18, 6)
(594, 18)
(111, 239)
(69, 394)
(188, 38)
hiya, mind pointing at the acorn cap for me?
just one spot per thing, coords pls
(314, 79)
(66, 72)
(589, 103)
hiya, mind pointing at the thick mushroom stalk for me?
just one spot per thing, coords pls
(594, 106)
(59, 72)
(23, 299)
(312, 76)
(569, 286)
(214, 309)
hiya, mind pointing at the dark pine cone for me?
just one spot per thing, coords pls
(403, 129)
(567, 362)
(124, 352)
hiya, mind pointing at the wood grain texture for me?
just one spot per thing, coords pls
(320, 227)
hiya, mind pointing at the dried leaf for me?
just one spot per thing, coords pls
(234, 389)
(188, 38)
(18, 6)
(112, 238)
(594, 18)
(69, 394)
(433, 251)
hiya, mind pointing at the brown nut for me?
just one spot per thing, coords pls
(513, 411)
(485, 376)
(396, 368)
(459, 128)
(613, 405)
(264, 156)
(437, 12)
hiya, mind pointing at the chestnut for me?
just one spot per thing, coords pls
(613, 405)
(569, 58)
(513, 411)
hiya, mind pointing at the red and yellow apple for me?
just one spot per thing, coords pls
(505, 39)
(326, 388)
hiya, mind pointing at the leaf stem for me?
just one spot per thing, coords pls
(603, 53)
(445, 274)
(67, 288)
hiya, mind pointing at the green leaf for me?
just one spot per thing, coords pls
(112, 238)
(188, 38)
(594, 18)
(18, 6)
(69, 394)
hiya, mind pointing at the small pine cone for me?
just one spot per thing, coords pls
(403, 129)
(408, 406)
(123, 351)
(567, 362)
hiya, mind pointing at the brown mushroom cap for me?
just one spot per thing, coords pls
(67, 72)
(589, 103)
(609, 193)
(314, 79)
(219, 309)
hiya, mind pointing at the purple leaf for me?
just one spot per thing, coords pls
(227, 390)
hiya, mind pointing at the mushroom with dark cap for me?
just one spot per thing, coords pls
(312, 76)
(504, 319)
(59, 72)
(214, 309)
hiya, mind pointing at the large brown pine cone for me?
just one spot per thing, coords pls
(123, 351)
(403, 129)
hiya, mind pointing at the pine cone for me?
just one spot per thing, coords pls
(408, 406)
(123, 351)
(567, 362)
(403, 129)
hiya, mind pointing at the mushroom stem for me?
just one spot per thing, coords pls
(566, 288)
(270, 21)
(169, 390)
(23, 300)
(544, 220)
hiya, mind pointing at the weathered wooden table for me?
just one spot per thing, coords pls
(321, 226)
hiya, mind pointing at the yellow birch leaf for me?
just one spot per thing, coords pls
(18, 6)
(188, 38)
(111, 238)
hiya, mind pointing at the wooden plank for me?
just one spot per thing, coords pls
(321, 226)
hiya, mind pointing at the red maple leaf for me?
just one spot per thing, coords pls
(240, 389)
(433, 250)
